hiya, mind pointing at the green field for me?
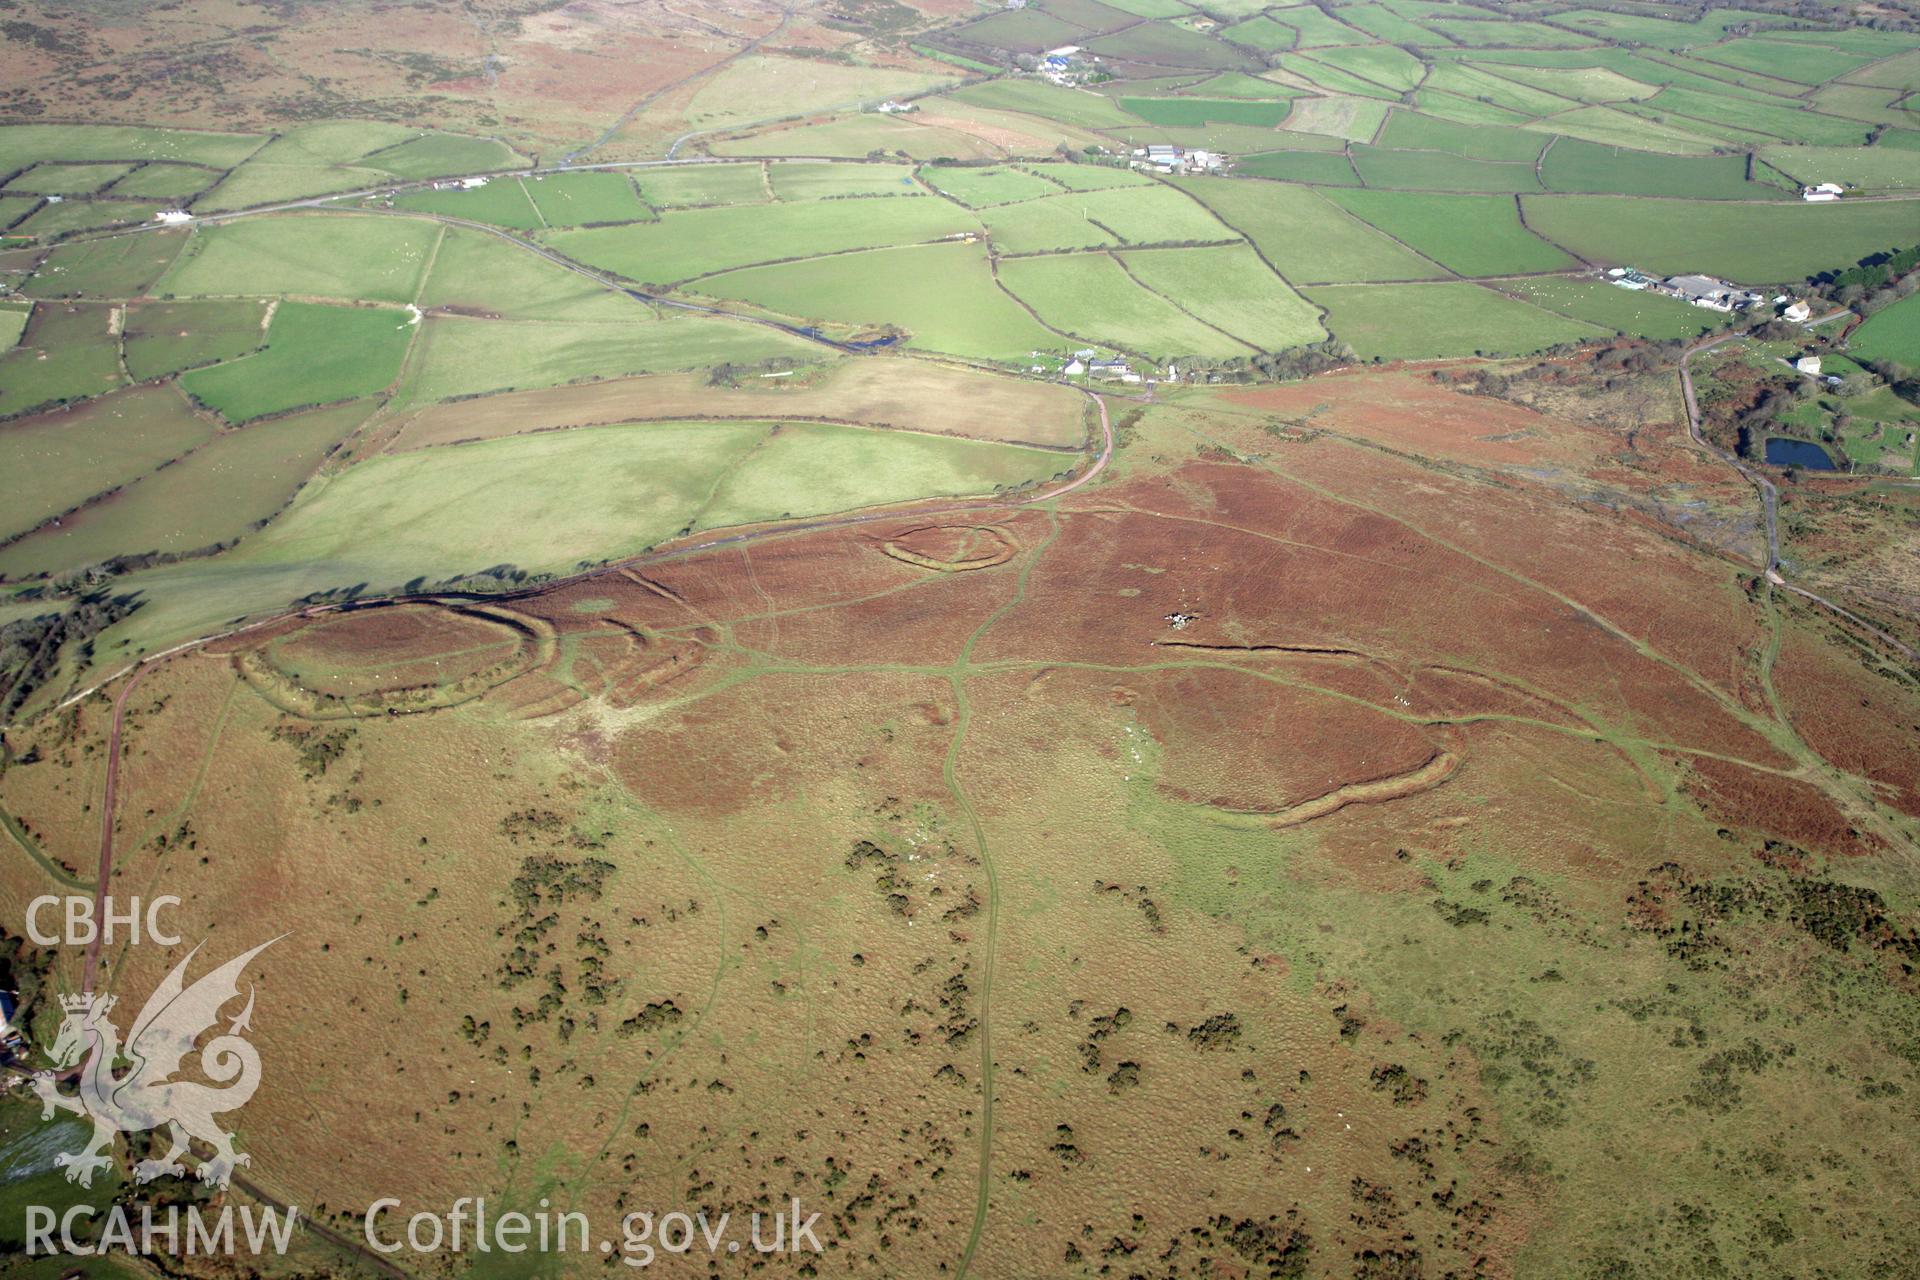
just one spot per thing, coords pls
(1411, 131)
(501, 202)
(1334, 79)
(1151, 8)
(1806, 63)
(1750, 243)
(1092, 297)
(807, 468)
(1231, 289)
(967, 314)
(979, 188)
(687, 244)
(1660, 33)
(1315, 27)
(1902, 72)
(1030, 30)
(330, 142)
(1439, 171)
(586, 199)
(260, 183)
(1169, 46)
(14, 208)
(1587, 84)
(1636, 129)
(1262, 33)
(1050, 102)
(1690, 108)
(1471, 234)
(1320, 168)
(1481, 85)
(349, 257)
(1044, 226)
(1196, 111)
(1574, 166)
(1309, 240)
(114, 267)
(476, 272)
(166, 181)
(1383, 65)
(72, 216)
(1646, 315)
(455, 356)
(50, 178)
(697, 186)
(66, 353)
(1089, 177)
(1486, 30)
(547, 502)
(1880, 168)
(315, 355)
(439, 154)
(215, 494)
(856, 137)
(1424, 321)
(800, 180)
(51, 463)
(24, 144)
(162, 338)
(1892, 333)
(1238, 84)
(1149, 215)
(1355, 119)
(1459, 109)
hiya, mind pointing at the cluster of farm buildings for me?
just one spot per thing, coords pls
(1068, 65)
(1165, 158)
(1708, 292)
(1089, 363)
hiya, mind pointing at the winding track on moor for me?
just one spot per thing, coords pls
(957, 675)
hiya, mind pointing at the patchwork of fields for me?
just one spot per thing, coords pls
(1093, 637)
(1402, 185)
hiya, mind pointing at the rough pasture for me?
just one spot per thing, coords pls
(1393, 683)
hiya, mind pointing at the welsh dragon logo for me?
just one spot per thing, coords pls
(144, 1095)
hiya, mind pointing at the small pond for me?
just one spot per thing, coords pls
(1785, 452)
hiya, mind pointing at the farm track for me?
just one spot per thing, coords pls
(629, 569)
(963, 721)
(1769, 501)
(626, 117)
(109, 794)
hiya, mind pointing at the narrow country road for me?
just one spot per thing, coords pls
(1769, 501)
(109, 795)
(1769, 496)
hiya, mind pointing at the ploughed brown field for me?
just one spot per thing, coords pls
(1359, 835)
